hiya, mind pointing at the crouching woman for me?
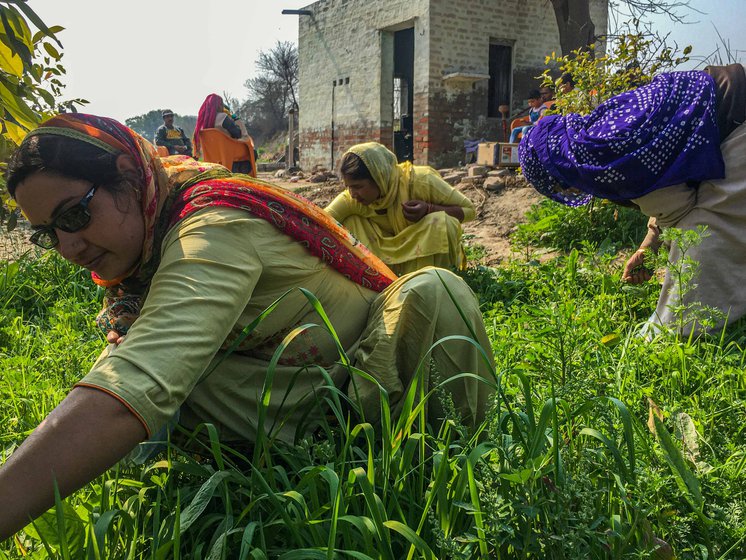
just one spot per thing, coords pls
(406, 215)
(190, 255)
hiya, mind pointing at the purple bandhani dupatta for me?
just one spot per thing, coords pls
(657, 135)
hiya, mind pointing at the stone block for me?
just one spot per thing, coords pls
(477, 171)
(454, 178)
(494, 184)
(472, 180)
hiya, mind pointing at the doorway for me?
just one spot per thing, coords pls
(403, 99)
(500, 68)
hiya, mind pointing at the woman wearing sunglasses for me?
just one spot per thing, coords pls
(189, 256)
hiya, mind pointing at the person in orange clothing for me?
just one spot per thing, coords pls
(214, 114)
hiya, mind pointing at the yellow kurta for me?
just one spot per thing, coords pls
(405, 246)
(220, 268)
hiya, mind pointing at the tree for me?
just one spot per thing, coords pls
(280, 64)
(272, 93)
(630, 59)
(577, 30)
(30, 81)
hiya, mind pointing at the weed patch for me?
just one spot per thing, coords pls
(587, 452)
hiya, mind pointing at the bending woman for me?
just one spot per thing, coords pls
(675, 149)
(405, 214)
(191, 255)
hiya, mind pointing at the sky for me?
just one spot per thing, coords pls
(128, 57)
(727, 16)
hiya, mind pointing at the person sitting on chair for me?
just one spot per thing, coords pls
(214, 114)
(172, 137)
(535, 112)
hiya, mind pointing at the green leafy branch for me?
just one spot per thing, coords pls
(30, 82)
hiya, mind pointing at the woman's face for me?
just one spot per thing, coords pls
(365, 191)
(110, 245)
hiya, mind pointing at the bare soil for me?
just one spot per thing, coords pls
(14, 243)
(498, 213)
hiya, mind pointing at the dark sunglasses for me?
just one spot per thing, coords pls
(71, 220)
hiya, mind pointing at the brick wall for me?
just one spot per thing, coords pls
(346, 40)
(460, 34)
(344, 137)
(352, 41)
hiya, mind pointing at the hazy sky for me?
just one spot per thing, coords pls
(728, 16)
(130, 56)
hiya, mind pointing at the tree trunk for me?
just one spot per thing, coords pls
(576, 30)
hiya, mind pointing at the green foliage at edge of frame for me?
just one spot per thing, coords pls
(30, 84)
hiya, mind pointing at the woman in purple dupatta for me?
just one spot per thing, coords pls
(674, 149)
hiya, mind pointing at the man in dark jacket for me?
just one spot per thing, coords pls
(172, 136)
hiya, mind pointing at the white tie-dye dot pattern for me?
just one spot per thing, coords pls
(636, 142)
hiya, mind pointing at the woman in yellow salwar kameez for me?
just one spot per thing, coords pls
(191, 256)
(405, 214)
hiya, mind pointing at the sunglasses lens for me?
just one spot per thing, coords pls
(74, 219)
(46, 239)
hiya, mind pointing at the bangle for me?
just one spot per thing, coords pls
(429, 208)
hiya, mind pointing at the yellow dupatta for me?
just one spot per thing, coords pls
(381, 226)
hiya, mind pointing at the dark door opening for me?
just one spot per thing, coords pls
(403, 94)
(498, 90)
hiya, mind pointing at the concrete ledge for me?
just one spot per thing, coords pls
(269, 166)
(467, 77)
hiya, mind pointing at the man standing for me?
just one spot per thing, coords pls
(172, 136)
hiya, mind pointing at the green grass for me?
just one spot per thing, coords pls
(571, 463)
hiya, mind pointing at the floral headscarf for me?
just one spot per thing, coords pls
(176, 186)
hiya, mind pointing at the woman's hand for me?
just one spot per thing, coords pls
(635, 271)
(113, 337)
(415, 210)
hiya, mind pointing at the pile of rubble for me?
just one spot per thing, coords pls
(319, 174)
(480, 176)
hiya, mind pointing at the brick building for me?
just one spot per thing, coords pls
(420, 76)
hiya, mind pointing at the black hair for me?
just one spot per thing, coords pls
(534, 94)
(353, 167)
(64, 156)
(566, 78)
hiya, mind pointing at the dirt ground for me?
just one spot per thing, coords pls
(498, 213)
